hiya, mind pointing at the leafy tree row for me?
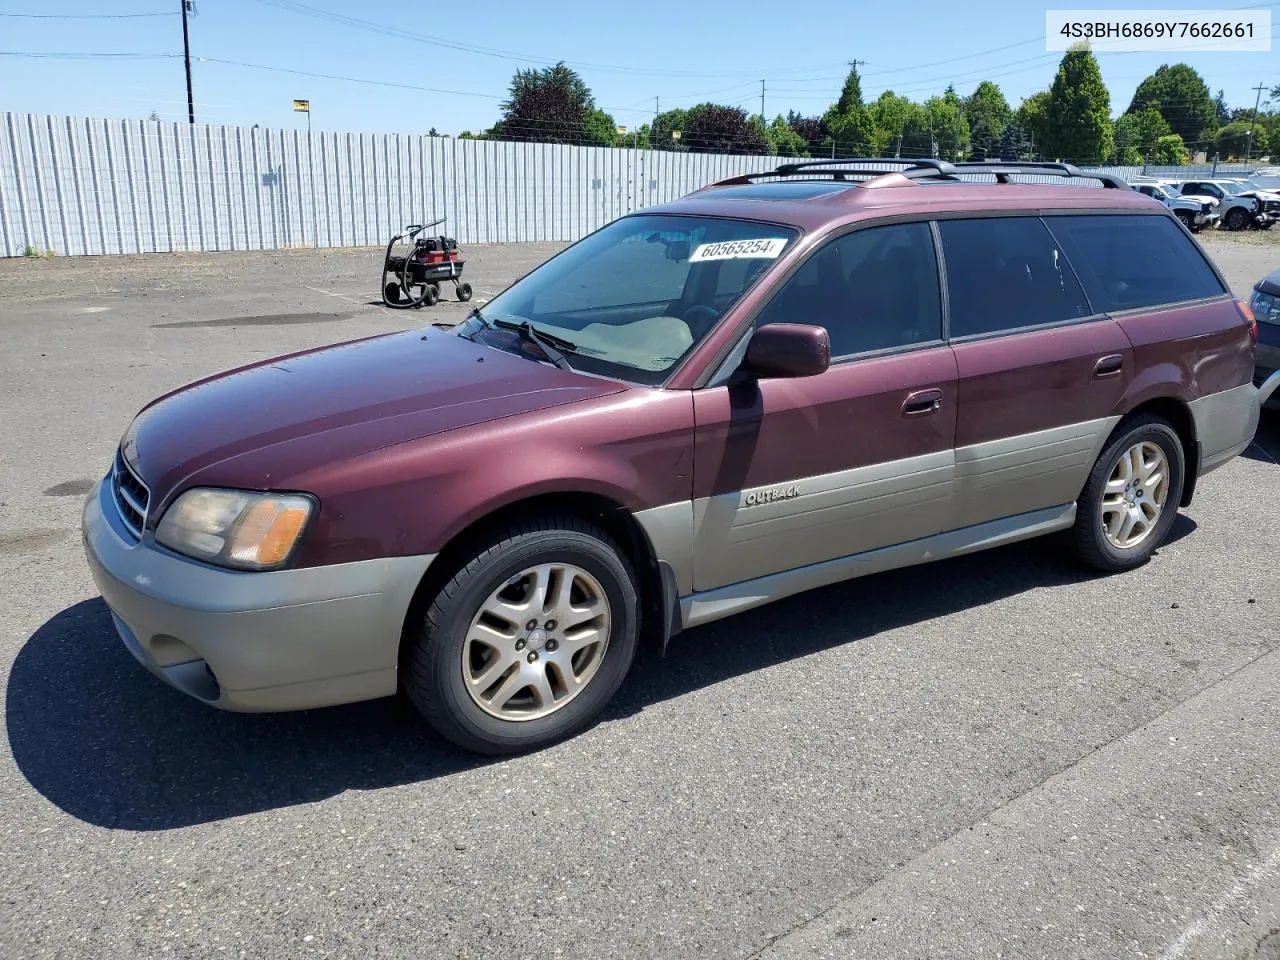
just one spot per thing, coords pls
(1172, 114)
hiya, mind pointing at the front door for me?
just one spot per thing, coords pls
(791, 472)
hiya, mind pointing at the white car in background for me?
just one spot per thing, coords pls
(1196, 213)
(1240, 207)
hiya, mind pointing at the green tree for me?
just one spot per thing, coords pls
(948, 128)
(987, 113)
(1078, 114)
(666, 123)
(1182, 97)
(1136, 135)
(852, 133)
(1169, 150)
(850, 93)
(786, 142)
(1014, 144)
(1032, 117)
(893, 120)
(1222, 111)
(553, 105)
(1233, 140)
(601, 128)
(713, 128)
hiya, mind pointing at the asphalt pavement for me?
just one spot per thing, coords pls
(1001, 756)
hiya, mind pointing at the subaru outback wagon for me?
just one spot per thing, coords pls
(779, 382)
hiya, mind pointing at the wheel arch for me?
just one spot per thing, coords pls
(655, 587)
(1178, 414)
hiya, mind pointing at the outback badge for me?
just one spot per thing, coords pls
(757, 497)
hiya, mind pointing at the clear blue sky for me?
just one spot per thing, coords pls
(681, 51)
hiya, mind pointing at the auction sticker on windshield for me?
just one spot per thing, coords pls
(768, 248)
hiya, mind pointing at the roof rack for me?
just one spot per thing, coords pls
(1003, 171)
(909, 168)
(869, 167)
(923, 169)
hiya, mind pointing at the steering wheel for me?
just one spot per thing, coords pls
(700, 318)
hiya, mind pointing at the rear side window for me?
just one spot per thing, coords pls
(1130, 262)
(875, 289)
(1007, 272)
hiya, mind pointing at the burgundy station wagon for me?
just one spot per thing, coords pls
(778, 382)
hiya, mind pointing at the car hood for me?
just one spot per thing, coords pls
(256, 426)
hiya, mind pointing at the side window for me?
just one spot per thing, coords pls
(1147, 191)
(873, 290)
(1128, 262)
(1007, 272)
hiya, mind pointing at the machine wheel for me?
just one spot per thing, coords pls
(431, 296)
(391, 293)
(1236, 218)
(464, 292)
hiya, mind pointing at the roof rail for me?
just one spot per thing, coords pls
(904, 166)
(923, 169)
(912, 169)
(1003, 171)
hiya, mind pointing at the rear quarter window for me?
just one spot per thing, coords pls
(1130, 262)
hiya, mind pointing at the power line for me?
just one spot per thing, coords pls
(78, 55)
(85, 16)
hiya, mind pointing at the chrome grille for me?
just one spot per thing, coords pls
(131, 496)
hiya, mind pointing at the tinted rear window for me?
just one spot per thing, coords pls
(1130, 262)
(1007, 272)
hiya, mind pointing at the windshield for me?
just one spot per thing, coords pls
(1233, 188)
(1164, 193)
(631, 300)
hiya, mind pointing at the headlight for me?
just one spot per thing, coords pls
(234, 528)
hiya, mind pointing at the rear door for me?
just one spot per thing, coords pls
(1039, 370)
(792, 472)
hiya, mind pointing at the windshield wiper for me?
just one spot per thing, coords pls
(551, 345)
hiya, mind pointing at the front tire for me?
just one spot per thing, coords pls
(1188, 220)
(528, 640)
(1131, 497)
(1236, 219)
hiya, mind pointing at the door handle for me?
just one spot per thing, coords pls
(1108, 366)
(921, 403)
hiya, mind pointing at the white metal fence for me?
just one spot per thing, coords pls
(76, 185)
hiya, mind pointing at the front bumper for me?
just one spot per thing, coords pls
(279, 640)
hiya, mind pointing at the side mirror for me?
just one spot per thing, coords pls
(788, 350)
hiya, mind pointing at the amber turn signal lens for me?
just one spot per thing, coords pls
(267, 532)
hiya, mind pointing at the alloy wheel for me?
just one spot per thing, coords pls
(1135, 494)
(536, 642)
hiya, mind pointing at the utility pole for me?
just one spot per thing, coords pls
(1248, 148)
(186, 54)
(762, 120)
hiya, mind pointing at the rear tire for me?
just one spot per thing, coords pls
(1131, 497)
(460, 641)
